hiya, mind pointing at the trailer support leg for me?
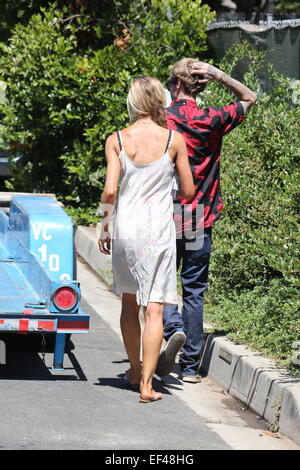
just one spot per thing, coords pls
(2, 352)
(59, 351)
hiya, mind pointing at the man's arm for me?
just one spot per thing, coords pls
(210, 73)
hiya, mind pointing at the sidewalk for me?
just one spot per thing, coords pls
(244, 374)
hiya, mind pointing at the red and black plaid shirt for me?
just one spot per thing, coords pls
(203, 130)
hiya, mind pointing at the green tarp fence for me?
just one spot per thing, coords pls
(281, 40)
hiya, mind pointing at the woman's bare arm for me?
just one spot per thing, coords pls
(110, 191)
(187, 189)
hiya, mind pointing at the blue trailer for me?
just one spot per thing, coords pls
(38, 287)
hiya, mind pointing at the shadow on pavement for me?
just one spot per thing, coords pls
(24, 359)
(121, 383)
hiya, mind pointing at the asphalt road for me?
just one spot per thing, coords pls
(88, 406)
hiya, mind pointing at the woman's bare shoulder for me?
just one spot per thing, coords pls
(112, 138)
(178, 139)
(112, 143)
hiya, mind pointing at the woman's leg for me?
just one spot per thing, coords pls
(131, 332)
(152, 339)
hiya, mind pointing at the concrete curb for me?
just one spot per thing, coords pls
(255, 380)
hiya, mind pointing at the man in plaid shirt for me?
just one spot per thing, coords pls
(203, 130)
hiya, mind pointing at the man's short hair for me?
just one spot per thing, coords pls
(181, 70)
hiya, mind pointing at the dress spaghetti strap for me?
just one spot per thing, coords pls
(120, 140)
(169, 141)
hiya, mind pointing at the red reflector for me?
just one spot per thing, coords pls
(65, 298)
(23, 325)
(46, 325)
(73, 325)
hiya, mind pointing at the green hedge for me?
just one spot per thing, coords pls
(64, 99)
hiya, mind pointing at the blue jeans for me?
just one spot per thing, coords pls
(194, 276)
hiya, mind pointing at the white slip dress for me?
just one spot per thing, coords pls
(143, 234)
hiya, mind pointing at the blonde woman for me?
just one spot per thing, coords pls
(143, 158)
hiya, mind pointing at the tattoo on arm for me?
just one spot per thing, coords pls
(242, 92)
(212, 72)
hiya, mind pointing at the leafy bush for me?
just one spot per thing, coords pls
(264, 318)
(98, 16)
(287, 6)
(15, 12)
(63, 99)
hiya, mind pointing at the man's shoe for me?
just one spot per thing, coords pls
(167, 357)
(191, 378)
